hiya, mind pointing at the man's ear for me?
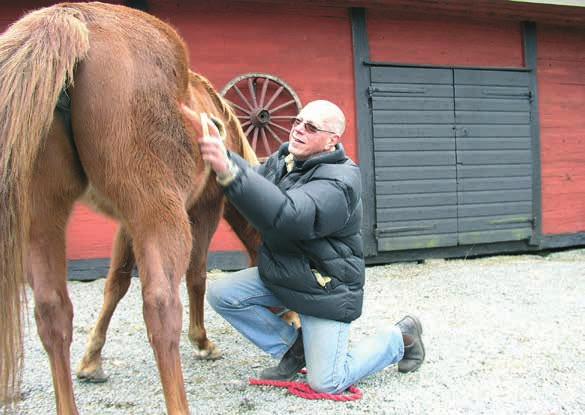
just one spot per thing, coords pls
(333, 141)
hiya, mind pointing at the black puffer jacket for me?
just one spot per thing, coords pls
(310, 220)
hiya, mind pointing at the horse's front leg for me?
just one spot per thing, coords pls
(117, 283)
(204, 220)
(162, 243)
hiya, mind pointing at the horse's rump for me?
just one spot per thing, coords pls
(125, 114)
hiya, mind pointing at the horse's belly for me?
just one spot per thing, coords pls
(99, 203)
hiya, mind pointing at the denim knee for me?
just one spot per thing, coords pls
(322, 384)
(215, 296)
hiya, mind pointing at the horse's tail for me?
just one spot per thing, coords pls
(37, 57)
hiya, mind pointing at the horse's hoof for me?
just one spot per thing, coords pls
(96, 376)
(212, 353)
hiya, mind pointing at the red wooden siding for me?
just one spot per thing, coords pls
(561, 57)
(443, 41)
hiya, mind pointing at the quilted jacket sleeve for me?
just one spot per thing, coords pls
(318, 208)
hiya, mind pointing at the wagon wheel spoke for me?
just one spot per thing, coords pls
(274, 135)
(286, 104)
(276, 94)
(263, 92)
(280, 127)
(243, 97)
(238, 107)
(265, 142)
(246, 123)
(250, 128)
(252, 90)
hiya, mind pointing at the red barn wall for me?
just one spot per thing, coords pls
(445, 41)
(561, 86)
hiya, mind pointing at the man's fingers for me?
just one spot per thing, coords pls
(211, 144)
(211, 140)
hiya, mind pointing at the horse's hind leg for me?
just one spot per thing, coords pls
(204, 219)
(53, 308)
(117, 284)
(57, 182)
(162, 243)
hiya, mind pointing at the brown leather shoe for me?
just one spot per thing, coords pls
(414, 352)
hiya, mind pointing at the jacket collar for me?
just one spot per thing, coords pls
(329, 157)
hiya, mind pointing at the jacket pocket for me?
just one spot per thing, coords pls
(321, 279)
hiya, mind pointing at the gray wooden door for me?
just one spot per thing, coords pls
(494, 155)
(414, 154)
(452, 156)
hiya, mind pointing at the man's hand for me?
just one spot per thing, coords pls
(212, 148)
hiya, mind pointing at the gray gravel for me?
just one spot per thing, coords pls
(504, 335)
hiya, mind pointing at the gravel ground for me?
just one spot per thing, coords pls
(504, 335)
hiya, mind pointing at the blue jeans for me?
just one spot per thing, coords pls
(242, 299)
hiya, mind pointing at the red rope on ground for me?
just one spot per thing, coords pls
(303, 390)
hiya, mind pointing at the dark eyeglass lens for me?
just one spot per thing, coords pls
(310, 128)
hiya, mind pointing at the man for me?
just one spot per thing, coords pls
(306, 203)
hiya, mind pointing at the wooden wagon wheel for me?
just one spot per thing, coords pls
(266, 106)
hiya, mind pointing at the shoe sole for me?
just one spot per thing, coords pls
(283, 378)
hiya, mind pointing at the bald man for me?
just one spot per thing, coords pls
(306, 203)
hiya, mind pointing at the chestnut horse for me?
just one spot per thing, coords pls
(125, 147)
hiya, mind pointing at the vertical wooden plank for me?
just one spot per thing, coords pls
(530, 61)
(361, 53)
(561, 83)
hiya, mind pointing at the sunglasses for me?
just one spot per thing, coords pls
(309, 127)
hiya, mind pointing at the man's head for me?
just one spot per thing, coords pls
(317, 129)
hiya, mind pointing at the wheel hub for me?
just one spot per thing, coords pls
(260, 117)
